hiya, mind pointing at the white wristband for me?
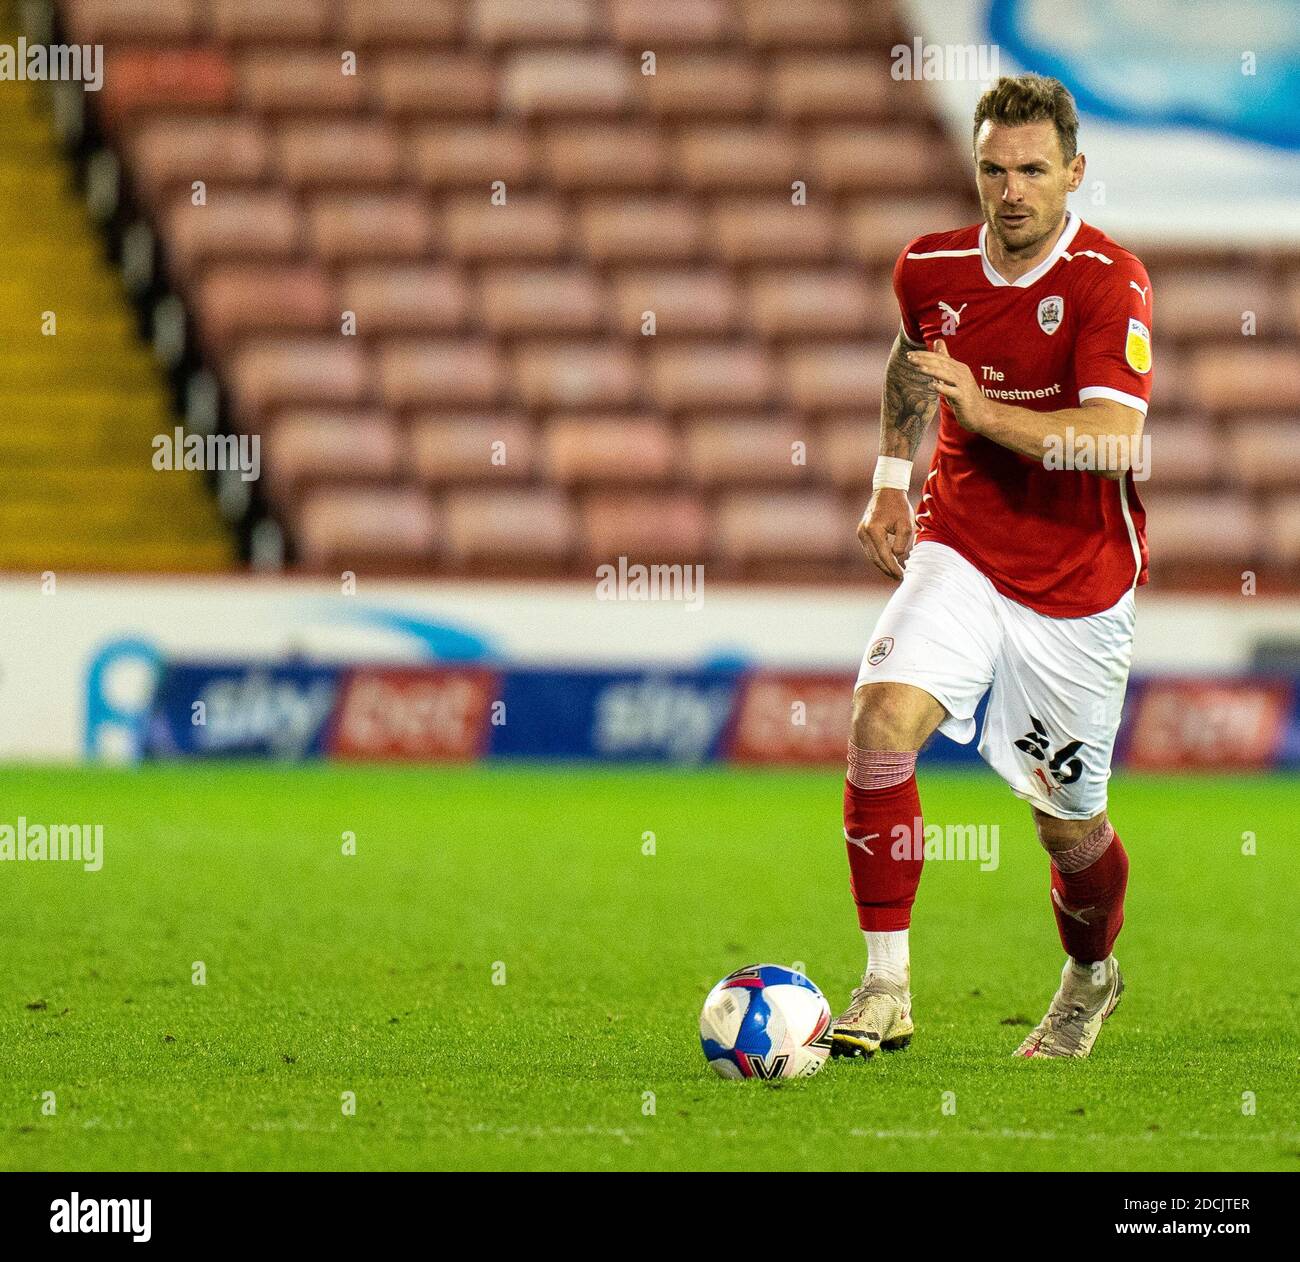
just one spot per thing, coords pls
(892, 472)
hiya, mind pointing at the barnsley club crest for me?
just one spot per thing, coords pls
(1050, 311)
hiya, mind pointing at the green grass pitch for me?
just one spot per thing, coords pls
(377, 974)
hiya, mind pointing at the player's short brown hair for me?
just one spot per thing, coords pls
(1031, 98)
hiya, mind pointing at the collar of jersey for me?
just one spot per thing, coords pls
(1072, 223)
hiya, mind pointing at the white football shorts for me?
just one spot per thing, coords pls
(1055, 685)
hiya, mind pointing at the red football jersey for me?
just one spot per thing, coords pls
(1063, 541)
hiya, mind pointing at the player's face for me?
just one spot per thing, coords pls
(1023, 180)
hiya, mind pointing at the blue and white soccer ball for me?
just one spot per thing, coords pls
(765, 1021)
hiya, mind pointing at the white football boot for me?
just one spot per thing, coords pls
(879, 1015)
(1073, 1022)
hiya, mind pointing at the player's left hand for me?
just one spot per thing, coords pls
(955, 381)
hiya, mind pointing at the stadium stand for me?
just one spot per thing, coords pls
(81, 396)
(500, 407)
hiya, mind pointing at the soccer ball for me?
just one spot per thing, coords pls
(765, 1021)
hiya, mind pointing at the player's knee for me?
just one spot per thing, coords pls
(1061, 835)
(893, 716)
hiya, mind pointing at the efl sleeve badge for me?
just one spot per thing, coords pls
(1137, 347)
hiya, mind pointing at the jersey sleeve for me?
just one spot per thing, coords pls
(1112, 354)
(910, 326)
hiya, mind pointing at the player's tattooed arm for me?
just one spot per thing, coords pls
(907, 406)
(908, 403)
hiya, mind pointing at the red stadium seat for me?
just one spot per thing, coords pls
(739, 450)
(732, 374)
(542, 300)
(803, 527)
(234, 299)
(641, 228)
(420, 373)
(524, 228)
(176, 150)
(684, 301)
(576, 375)
(348, 526)
(345, 226)
(271, 372)
(256, 22)
(571, 82)
(440, 84)
(876, 231)
(702, 86)
(1245, 378)
(298, 81)
(479, 448)
(139, 81)
(405, 297)
(603, 449)
(674, 528)
(773, 231)
(519, 528)
(322, 152)
(848, 86)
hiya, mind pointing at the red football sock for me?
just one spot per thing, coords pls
(880, 800)
(1088, 884)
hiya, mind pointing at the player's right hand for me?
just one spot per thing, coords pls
(885, 531)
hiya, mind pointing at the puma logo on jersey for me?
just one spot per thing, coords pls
(953, 317)
(1134, 285)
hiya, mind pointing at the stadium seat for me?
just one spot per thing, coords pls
(809, 527)
(235, 223)
(334, 152)
(576, 375)
(235, 299)
(738, 450)
(604, 155)
(348, 526)
(256, 22)
(109, 22)
(602, 449)
(653, 229)
(176, 150)
(642, 527)
(372, 23)
(689, 300)
(702, 86)
(568, 83)
(355, 226)
(1265, 453)
(458, 449)
(297, 81)
(772, 231)
(797, 303)
(405, 297)
(690, 375)
(419, 372)
(438, 84)
(533, 528)
(508, 22)
(304, 446)
(541, 300)
(670, 23)
(1245, 378)
(472, 155)
(524, 228)
(270, 372)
